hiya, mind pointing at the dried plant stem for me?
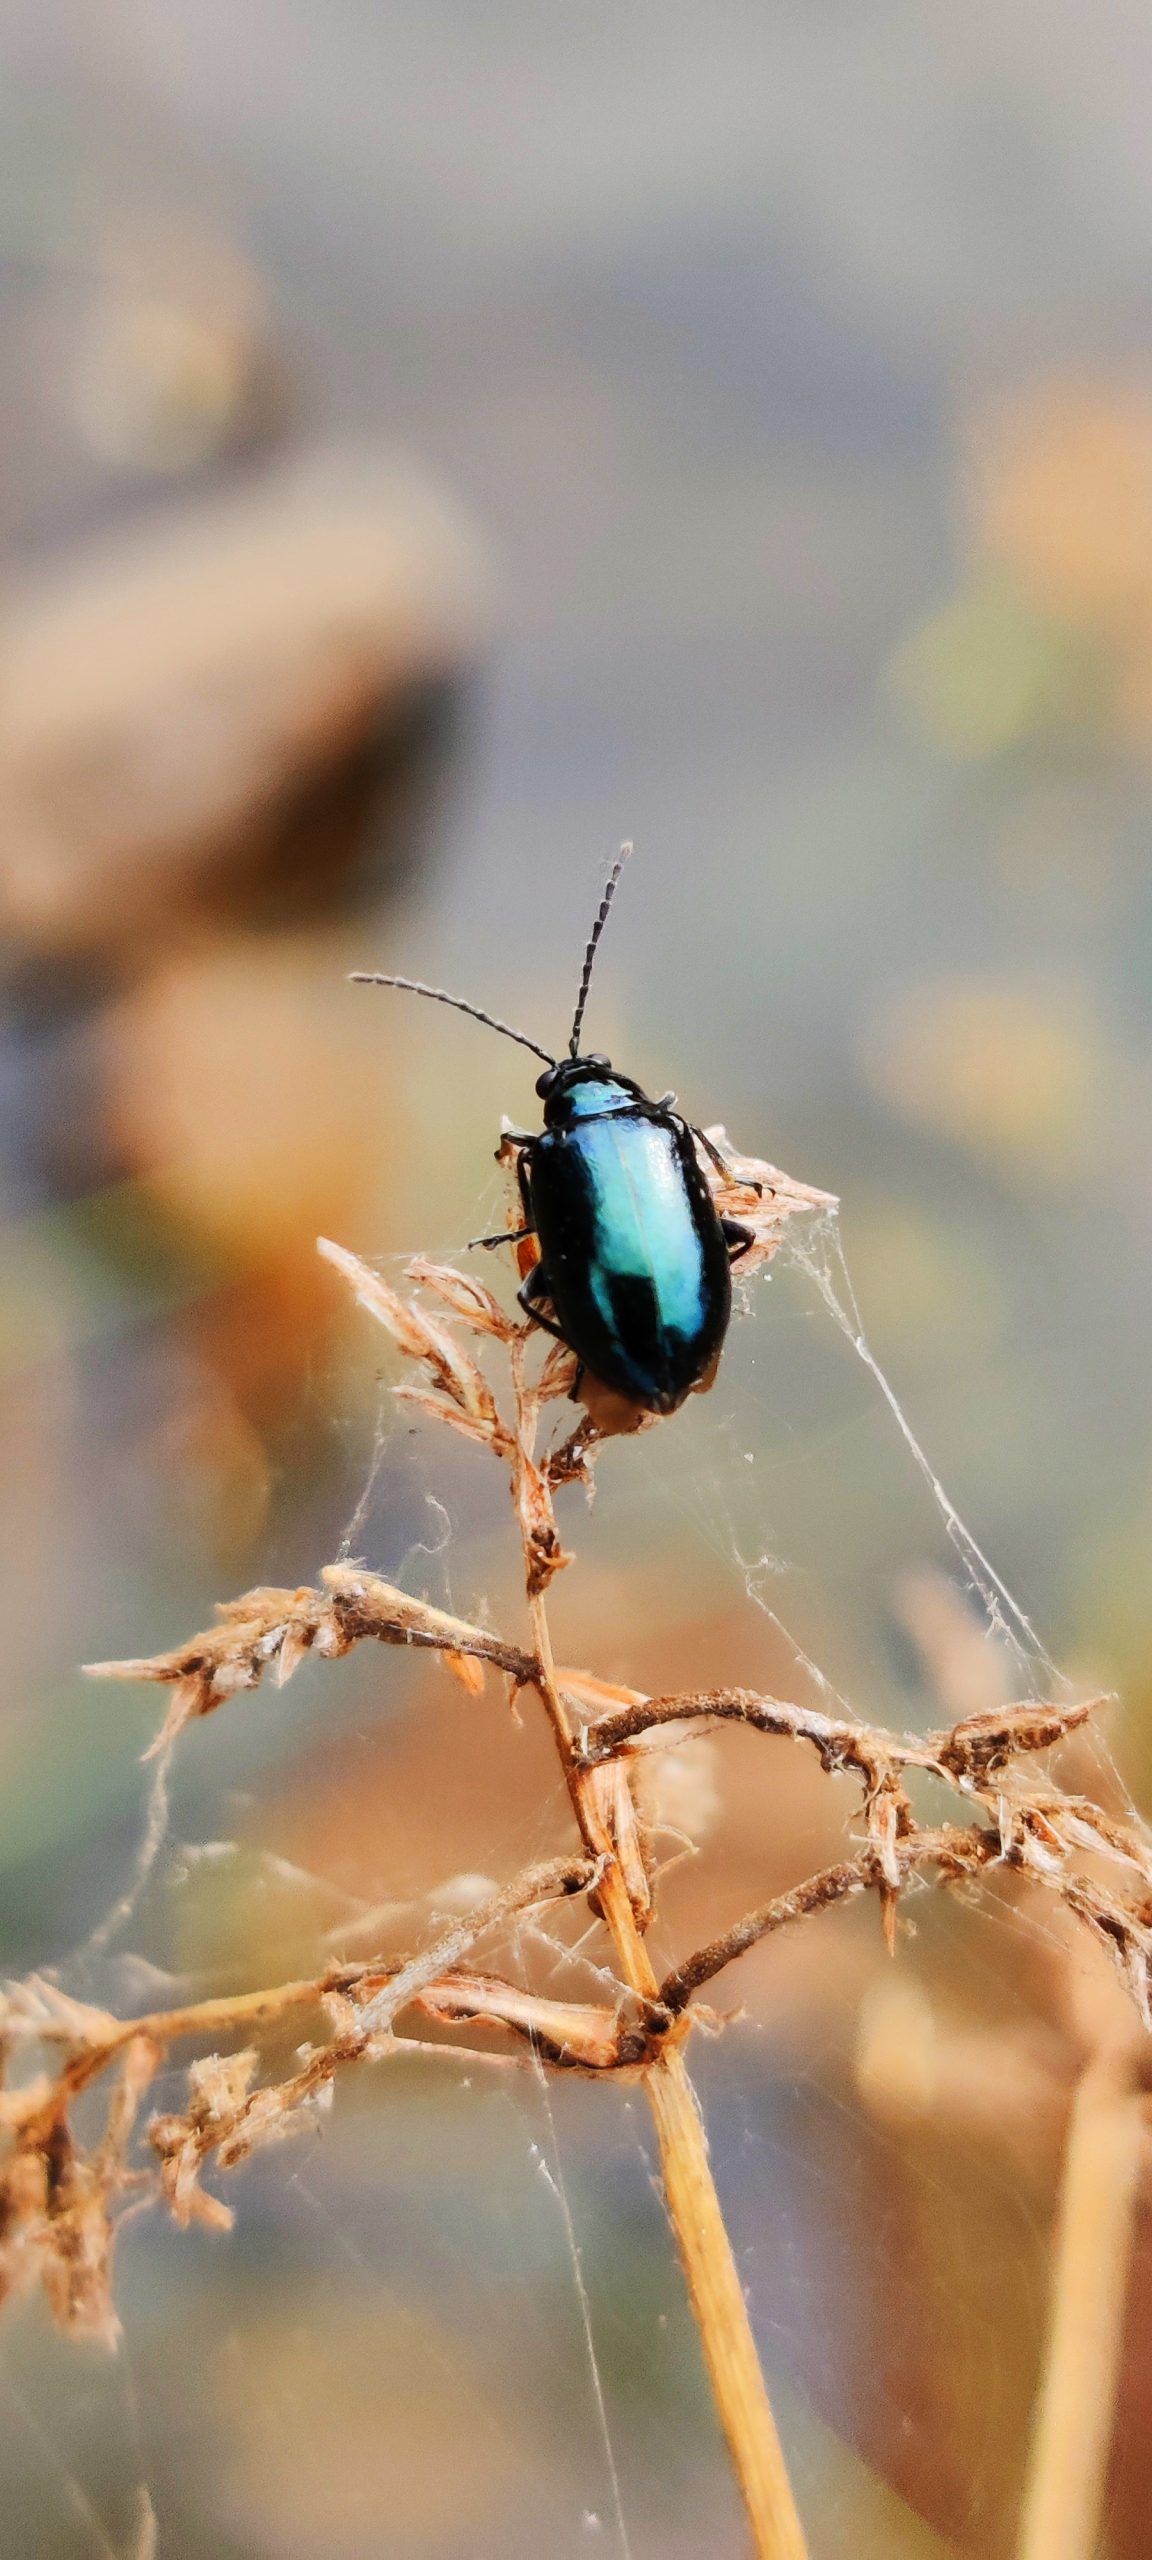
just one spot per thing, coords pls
(721, 2312)
(61, 2195)
(693, 2207)
(1072, 2428)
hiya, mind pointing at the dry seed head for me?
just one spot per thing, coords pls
(1011, 1819)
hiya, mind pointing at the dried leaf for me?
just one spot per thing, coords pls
(296, 1645)
(442, 1408)
(468, 1298)
(419, 1337)
(219, 2084)
(467, 1670)
(559, 1373)
(980, 1744)
(761, 1198)
(567, 2032)
(611, 1792)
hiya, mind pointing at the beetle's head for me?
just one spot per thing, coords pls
(555, 1080)
(559, 1089)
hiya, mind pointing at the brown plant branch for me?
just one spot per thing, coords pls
(272, 1630)
(952, 1852)
(37, 2011)
(971, 1752)
(58, 2202)
(716, 2294)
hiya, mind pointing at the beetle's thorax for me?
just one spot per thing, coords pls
(585, 1089)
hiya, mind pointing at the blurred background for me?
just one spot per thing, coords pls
(437, 443)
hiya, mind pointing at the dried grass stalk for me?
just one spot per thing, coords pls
(59, 2202)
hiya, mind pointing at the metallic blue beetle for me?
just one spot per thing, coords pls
(635, 1261)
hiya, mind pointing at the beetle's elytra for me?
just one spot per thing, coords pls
(633, 1256)
(635, 1261)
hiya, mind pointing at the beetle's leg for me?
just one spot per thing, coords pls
(725, 1165)
(516, 1138)
(512, 1235)
(536, 1286)
(525, 1194)
(736, 1237)
(713, 1153)
(508, 1235)
(667, 1102)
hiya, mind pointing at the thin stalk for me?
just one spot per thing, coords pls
(230, 2013)
(714, 2288)
(1073, 2422)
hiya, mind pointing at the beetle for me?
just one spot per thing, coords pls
(635, 1259)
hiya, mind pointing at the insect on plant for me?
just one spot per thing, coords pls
(623, 1201)
(635, 1259)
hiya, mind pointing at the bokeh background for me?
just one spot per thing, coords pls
(437, 443)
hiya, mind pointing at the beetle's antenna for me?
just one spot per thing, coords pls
(439, 995)
(590, 954)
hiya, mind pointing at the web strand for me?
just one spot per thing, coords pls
(1004, 1615)
(556, 2182)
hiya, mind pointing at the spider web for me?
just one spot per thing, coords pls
(460, 2200)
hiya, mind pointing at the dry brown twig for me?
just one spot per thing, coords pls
(60, 2200)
